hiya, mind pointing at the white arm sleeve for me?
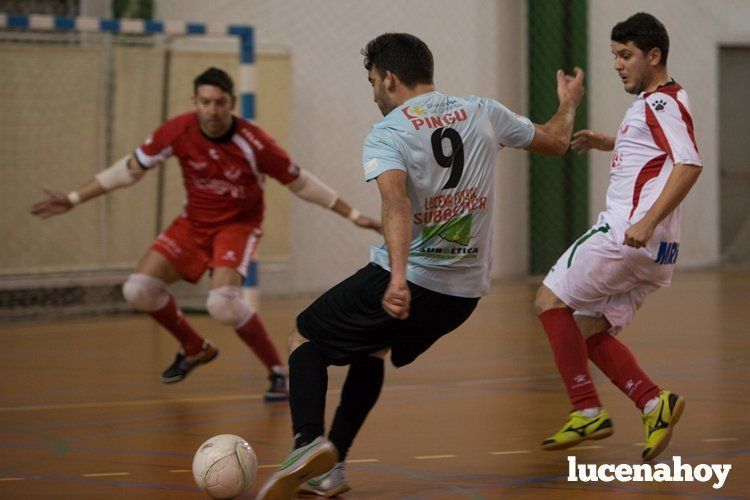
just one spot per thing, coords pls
(308, 187)
(118, 175)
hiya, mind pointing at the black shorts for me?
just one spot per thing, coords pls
(348, 320)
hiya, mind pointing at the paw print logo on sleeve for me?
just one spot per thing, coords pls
(659, 104)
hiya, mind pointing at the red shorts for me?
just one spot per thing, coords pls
(191, 250)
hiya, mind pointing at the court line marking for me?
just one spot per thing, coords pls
(595, 447)
(177, 471)
(509, 452)
(105, 474)
(362, 461)
(430, 457)
(718, 440)
(12, 478)
(639, 444)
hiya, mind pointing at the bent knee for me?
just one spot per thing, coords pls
(591, 323)
(226, 306)
(295, 340)
(145, 293)
(381, 354)
(546, 300)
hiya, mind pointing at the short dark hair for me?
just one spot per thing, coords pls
(217, 78)
(404, 55)
(645, 31)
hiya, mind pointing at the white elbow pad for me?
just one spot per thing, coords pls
(118, 175)
(308, 187)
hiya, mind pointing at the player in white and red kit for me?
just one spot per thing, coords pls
(596, 286)
(224, 161)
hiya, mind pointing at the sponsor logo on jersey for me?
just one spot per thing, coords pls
(415, 111)
(220, 187)
(213, 153)
(616, 159)
(444, 207)
(451, 253)
(668, 251)
(198, 165)
(436, 108)
(230, 256)
(456, 230)
(233, 173)
(438, 121)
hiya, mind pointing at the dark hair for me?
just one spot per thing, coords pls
(404, 55)
(645, 31)
(217, 78)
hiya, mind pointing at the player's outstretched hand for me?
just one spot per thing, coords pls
(586, 140)
(397, 300)
(369, 223)
(54, 203)
(570, 88)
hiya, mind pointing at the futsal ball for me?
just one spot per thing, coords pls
(225, 466)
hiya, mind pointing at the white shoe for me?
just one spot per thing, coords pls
(330, 484)
(302, 464)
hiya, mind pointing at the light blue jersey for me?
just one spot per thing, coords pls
(447, 146)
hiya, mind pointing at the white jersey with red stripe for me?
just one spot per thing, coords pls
(656, 133)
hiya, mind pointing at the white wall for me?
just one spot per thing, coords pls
(479, 48)
(696, 29)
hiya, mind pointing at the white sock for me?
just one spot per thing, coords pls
(591, 412)
(650, 405)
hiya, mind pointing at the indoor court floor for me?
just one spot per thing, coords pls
(84, 415)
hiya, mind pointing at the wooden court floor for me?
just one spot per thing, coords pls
(83, 414)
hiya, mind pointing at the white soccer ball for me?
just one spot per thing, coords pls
(225, 466)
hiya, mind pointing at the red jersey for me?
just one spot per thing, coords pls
(223, 176)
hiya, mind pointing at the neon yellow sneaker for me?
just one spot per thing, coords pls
(660, 422)
(579, 428)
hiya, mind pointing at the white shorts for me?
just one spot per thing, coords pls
(598, 276)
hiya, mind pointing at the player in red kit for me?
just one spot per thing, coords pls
(224, 161)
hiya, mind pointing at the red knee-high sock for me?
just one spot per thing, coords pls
(253, 333)
(171, 318)
(571, 357)
(618, 363)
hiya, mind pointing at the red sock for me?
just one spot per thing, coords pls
(171, 318)
(254, 334)
(618, 363)
(571, 358)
